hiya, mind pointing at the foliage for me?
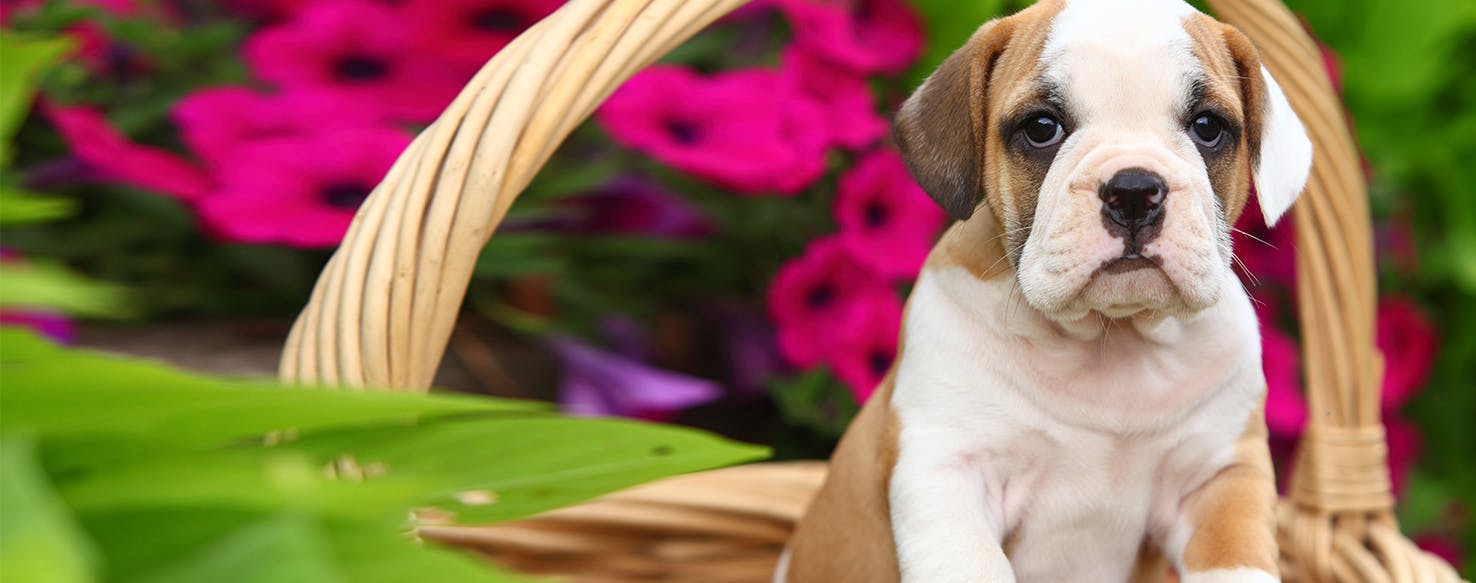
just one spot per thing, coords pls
(683, 263)
(94, 444)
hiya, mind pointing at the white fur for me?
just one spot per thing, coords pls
(1075, 441)
(1069, 411)
(1126, 115)
(1286, 154)
(1231, 576)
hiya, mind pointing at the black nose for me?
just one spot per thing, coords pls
(1133, 198)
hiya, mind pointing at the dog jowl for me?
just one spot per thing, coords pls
(1078, 392)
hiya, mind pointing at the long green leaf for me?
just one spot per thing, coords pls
(38, 540)
(518, 466)
(18, 206)
(58, 392)
(21, 60)
(48, 286)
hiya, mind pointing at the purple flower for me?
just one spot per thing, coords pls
(625, 206)
(600, 383)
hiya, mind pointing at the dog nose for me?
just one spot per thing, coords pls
(1134, 198)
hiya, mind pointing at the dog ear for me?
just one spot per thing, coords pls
(1280, 153)
(940, 128)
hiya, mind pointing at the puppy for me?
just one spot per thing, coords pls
(1078, 392)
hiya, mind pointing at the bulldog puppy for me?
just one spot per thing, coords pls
(1078, 392)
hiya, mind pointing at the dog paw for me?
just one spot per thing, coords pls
(1230, 576)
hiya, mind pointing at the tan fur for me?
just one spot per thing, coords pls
(1234, 513)
(975, 244)
(846, 535)
(1233, 68)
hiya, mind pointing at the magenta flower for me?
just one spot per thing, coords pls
(1266, 255)
(600, 383)
(867, 343)
(885, 218)
(737, 129)
(113, 158)
(1409, 343)
(814, 298)
(624, 206)
(1286, 408)
(865, 36)
(468, 32)
(56, 327)
(299, 191)
(357, 50)
(214, 122)
(851, 118)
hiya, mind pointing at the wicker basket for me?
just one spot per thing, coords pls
(383, 311)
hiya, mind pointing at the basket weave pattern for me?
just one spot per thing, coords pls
(383, 311)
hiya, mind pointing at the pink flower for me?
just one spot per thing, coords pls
(1408, 340)
(54, 326)
(1403, 440)
(358, 50)
(116, 159)
(849, 107)
(867, 345)
(468, 32)
(886, 220)
(1267, 255)
(1445, 547)
(1286, 409)
(737, 129)
(300, 191)
(866, 36)
(815, 298)
(215, 121)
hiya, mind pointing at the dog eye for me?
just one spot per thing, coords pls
(1042, 131)
(1207, 130)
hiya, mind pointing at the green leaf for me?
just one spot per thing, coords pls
(21, 61)
(524, 465)
(190, 543)
(38, 540)
(517, 254)
(263, 479)
(285, 547)
(55, 391)
(53, 287)
(371, 555)
(816, 400)
(19, 206)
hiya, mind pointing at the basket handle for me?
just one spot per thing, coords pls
(1338, 523)
(383, 309)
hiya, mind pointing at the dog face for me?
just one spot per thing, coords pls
(1115, 144)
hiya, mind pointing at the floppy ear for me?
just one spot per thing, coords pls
(940, 128)
(1280, 153)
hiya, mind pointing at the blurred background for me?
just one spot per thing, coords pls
(726, 244)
